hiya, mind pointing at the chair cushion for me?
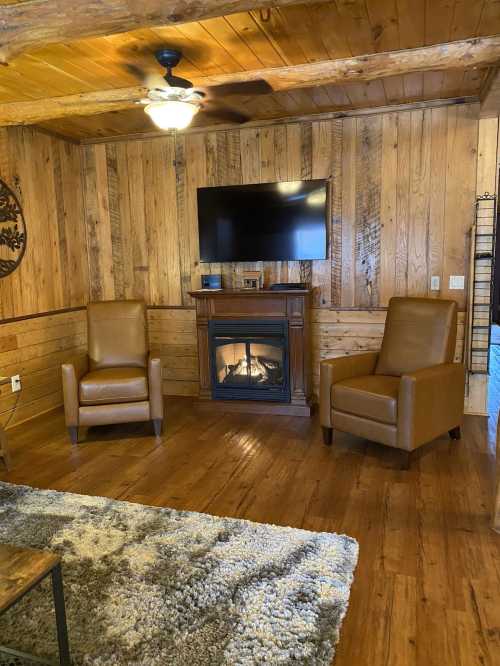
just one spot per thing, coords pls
(371, 396)
(110, 385)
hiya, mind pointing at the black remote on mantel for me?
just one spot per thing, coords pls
(284, 286)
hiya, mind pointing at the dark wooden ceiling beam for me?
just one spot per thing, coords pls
(34, 24)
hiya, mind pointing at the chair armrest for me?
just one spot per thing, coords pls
(155, 388)
(430, 402)
(71, 375)
(335, 370)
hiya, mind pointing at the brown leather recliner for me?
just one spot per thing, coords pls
(409, 393)
(117, 382)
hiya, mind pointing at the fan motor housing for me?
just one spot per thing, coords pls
(168, 57)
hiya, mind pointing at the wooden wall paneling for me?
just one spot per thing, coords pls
(388, 207)
(305, 174)
(127, 240)
(336, 214)
(196, 176)
(229, 173)
(419, 223)
(164, 210)
(273, 161)
(31, 265)
(462, 139)
(403, 204)
(60, 219)
(165, 182)
(7, 285)
(172, 335)
(212, 180)
(322, 162)
(182, 226)
(293, 161)
(100, 249)
(348, 212)
(437, 197)
(69, 187)
(39, 347)
(118, 239)
(280, 174)
(138, 190)
(487, 156)
(367, 202)
(45, 174)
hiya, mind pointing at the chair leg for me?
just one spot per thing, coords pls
(158, 426)
(327, 435)
(455, 433)
(73, 434)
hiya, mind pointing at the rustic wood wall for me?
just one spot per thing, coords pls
(45, 173)
(119, 220)
(402, 195)
(403, 187)
(35, 348)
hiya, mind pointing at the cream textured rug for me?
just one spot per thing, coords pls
(146, 585)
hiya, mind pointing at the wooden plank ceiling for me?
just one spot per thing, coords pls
(253, 40)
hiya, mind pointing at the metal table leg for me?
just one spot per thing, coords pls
(62, 630)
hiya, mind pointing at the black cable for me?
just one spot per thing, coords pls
(6, 425)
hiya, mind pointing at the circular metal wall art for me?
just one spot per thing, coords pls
(12, 231)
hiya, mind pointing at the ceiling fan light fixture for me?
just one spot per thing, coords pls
(172, 114)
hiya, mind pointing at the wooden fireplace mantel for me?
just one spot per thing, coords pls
(293, 305)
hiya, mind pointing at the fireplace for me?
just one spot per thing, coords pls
(249, 359)
(254, 350)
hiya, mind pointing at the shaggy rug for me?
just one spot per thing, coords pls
(147, 585)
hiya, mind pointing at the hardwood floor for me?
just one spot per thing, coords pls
(426, 587)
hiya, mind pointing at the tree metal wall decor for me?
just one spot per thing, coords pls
(12, 231)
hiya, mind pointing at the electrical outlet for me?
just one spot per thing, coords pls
(15, 382)
(435, 282)
(457, 282)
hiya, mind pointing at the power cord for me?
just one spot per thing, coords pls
(6, 425)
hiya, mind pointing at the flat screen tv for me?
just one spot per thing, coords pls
(263, 222)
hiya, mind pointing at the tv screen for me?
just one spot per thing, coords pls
(263, 222)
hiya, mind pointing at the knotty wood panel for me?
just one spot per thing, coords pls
(45, 173)
(35, 349)
(402, 194)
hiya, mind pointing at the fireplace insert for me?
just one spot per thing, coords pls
(249, 359)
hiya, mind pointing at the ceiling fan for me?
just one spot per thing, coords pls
(172, 102)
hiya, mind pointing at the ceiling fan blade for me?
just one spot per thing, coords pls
(177, 82)
(150, 80)
(226, 115)
(258, 87)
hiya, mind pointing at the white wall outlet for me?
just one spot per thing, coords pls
(15, 382)
(435, 282)
(457, 281)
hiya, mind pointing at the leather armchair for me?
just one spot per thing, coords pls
(409, 393)
(117, 382)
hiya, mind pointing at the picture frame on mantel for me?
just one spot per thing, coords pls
(251, 280)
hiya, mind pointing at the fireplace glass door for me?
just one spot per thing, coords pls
(250, 363)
